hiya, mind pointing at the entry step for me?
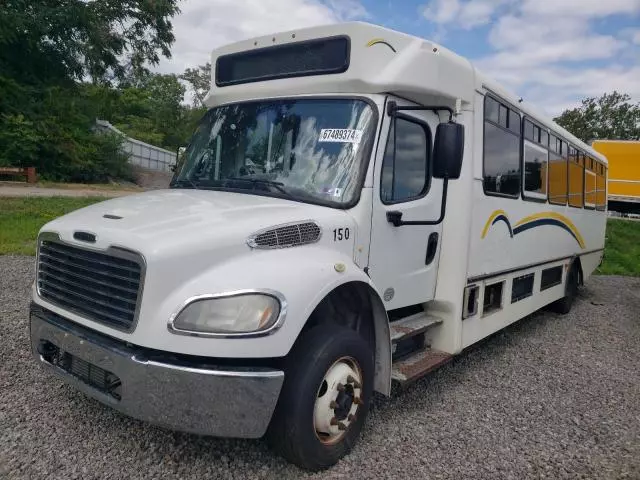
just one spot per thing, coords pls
(418, 364)
(412, 325)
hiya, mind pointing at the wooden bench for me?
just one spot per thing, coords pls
(28, 172)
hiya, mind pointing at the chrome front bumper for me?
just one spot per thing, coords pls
(159, 388)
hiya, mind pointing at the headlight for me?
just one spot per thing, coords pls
(237, 314)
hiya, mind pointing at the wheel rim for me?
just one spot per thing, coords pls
(338, 400)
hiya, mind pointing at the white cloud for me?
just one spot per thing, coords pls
(441, 11)
(632, 34)
(206, 24)
(478, 12)
(582, 8)
(546, 52)
(466, 14)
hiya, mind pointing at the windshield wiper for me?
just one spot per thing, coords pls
(185, 182)
(279, 186)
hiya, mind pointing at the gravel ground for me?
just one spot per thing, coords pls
(550, 397)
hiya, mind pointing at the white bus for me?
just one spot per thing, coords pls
(357, 207)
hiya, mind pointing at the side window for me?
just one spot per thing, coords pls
(501, 149)
(590, 187)
(407, 177)
(558, 177)
(535, 170)
(576, 178)
(536, 158)
(601, 187)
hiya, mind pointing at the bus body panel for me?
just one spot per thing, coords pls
(624, 172)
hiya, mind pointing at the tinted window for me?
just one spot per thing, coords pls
(544, 138)
(535, 168)
(408, 179)
(590, 188)
(557, 178)
(491, 109)
(528, 130)
(502, 121)
(313, 57)
(501, 153)
(601, 189)
(514, 122)
(576, 179)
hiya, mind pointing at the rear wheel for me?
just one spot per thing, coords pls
(325, 397)
(563, 306)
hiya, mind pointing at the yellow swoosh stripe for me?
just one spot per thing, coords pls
(555, 216)
(493, 216)
(374, 41)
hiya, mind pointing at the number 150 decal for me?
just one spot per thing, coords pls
(340, 234)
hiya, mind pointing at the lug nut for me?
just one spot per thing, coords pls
(356, 384)
(333, 421)
(341, 426)
(340, 387)
(351, 417)
(357, 401)
(333, 404)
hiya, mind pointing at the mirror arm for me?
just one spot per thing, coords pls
(395, 217)
(393, 108)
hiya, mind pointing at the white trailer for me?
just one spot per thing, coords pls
(356, 208)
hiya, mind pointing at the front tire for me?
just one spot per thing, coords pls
(325, 397)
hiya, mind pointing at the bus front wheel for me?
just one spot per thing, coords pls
(325, 397)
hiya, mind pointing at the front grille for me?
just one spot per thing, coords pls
(98, 378)
(286, 236)
(98, 286)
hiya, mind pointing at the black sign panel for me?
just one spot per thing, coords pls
(313, 57)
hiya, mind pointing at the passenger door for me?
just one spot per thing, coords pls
(403, 261)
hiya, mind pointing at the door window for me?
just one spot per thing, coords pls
(407, 177)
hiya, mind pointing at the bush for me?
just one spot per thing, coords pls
(19, 141)
(107, 159)
(54, 132)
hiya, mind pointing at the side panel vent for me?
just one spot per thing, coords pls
(283, 236)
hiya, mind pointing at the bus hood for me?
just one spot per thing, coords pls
(175, 223)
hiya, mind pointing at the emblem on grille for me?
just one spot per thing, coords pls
(286, 235)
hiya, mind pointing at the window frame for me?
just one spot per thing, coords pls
(427, 186)
(526, 194)
(529, 195)
(510, 108)
(562, 156)
(579, 154)
(603, 207)
(588, 159)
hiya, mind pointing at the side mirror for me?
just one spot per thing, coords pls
(448, 150)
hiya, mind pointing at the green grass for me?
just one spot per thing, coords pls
(622, 249)
(21, 219)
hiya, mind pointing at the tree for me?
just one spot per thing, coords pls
(76, 39)
(48, 50)
(199, 81)
(612, 116)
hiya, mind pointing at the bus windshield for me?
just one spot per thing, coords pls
(309, 150)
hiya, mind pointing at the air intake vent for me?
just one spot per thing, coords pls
(289, 235)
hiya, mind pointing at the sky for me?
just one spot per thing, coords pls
(551, 52)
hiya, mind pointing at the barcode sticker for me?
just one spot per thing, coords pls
(341, 135)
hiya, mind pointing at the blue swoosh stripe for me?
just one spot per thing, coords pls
(544, 221)
(502, 218)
